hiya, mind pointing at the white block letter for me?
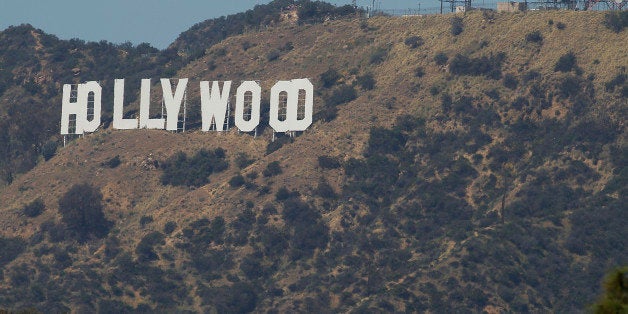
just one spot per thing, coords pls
(256, 95)
(145, 121)
(214, 104)
(292, 89)
(118, 108)
(173, 101)
(83, 96)
(68, 108)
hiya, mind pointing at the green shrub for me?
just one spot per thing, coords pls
(457, 26)
(488, 66)
(510, 81)
(441, 58)
(530, 76)
(283, 194)
(145, 249)
(366, 81)
(566, 62)
(325, 190)
(272, 169)
(169, 227)
(49, 150)
(534, 37)
(113, 162)
(414, 41)
(615, 298)
(329, 78)
(340, 95)
(145, 220)
(385, 141)
(287, 47)
(237, 181)
(569, 87)
(242, 160)
(328, 162)
(616, 21)
(434, 90)
(273, 55)
(378, 55)
(82, 211)
(560, 25)
(10, 248)
(419, 72)
(493, 94)
(195, 171)
(618, 80)
(34, 208)
(277, 143)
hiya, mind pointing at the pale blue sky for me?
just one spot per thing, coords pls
(157, 22)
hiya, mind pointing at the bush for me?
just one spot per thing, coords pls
(457, 26)
(565, 63)
(283, 194)
(34, 208)
(489, 66)
(169, 227)
(419, 71)
(569, 87)
(49, 150)
(329, 78)
(81, 211)
(414, 41)
(441, 58)
(194, 171)
(534, 37)
(561, 25)
(272, 169)
(113, 162)
(273, 55)
(242, 160)
(325, 190)
(10, 248)
(145, 251)
(618, 80)
(531, 76)
(277, 144)
(340, 95)
(366, 81)
(145, 220)
(616, 21)
(237, 181)
(615, 297)
(510, 81)
(328, 162)
(378, 55)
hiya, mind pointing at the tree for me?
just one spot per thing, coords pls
(81, 211)
(615, 298)
(34, 208)
(49, 150)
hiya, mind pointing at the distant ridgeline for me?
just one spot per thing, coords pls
(291, 106)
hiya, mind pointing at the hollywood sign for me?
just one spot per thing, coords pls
(214, 106)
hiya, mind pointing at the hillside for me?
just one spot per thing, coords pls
(481, 171)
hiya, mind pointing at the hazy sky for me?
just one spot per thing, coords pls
(157, 22)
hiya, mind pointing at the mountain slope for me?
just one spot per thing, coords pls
(483, 171)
